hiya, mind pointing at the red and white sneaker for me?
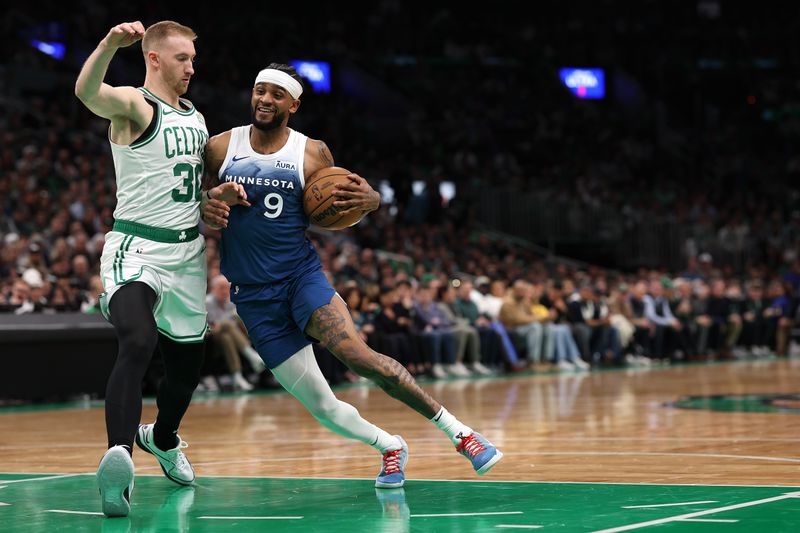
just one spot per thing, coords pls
(482, 454)
(392, 473)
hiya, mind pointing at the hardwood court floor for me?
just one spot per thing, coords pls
(610, 451)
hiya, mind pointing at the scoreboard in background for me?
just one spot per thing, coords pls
(589, 83)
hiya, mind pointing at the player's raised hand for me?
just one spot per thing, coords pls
(231, 193)
(357, 195)
(125, 34)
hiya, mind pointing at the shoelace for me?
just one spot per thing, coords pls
(179, 457)
(391, 461)
(471, 445)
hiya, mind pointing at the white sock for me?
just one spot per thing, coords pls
(451, 426)
(385, 442)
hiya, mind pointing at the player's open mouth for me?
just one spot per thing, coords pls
(265, 111)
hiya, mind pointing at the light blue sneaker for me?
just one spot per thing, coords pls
(482, 454)
(115, 480)
(394, 462)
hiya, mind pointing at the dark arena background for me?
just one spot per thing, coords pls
(588, 247)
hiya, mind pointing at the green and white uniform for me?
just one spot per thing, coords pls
(155, 238)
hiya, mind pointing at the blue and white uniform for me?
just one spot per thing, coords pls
(275, 272)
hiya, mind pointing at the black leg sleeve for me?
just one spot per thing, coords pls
(131, 310)
(182, 364)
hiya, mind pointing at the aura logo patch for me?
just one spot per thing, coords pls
(286, 165)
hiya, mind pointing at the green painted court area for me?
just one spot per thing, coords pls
(47, 502)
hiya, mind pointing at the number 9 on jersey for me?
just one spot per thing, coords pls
(274, 204)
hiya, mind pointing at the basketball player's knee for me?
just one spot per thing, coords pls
(138, 344)
(184, 387)
(189, 376)
(326, 409)
(183, 382)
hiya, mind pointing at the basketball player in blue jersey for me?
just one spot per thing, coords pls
(278, 285)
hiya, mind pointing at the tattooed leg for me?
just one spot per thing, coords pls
(334, 328)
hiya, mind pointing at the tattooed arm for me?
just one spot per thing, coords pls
(214, 155)
(317, 156)
(357, 195)
(217, 198)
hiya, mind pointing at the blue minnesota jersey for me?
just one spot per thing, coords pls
(266, 242)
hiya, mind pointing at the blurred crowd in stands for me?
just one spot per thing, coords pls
(681, 138)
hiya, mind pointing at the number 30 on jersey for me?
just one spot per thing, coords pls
(190, 186)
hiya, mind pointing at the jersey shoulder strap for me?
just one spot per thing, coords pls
(238, 136)
(155, 122)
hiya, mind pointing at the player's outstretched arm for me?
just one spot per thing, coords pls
(214, 156)
(217, 198)
(102, 99)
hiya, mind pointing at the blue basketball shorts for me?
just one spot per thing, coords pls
(276, 314)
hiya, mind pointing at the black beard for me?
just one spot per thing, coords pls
(276, 121)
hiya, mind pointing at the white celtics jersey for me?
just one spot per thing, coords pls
(159, 175)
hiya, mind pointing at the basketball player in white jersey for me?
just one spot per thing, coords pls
(278, 286)
(153, 264)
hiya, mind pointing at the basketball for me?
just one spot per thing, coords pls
(318, 200)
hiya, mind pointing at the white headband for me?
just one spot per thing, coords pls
(278, 77)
